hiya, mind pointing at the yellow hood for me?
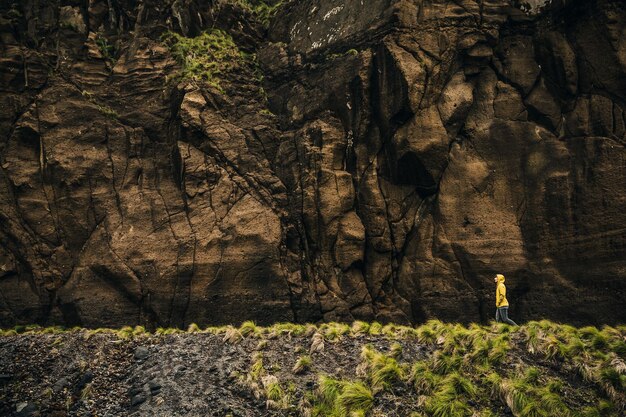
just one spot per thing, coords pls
(500, 277)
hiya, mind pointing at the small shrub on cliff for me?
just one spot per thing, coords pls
(106, 49)
(206, 57)
(261, 9)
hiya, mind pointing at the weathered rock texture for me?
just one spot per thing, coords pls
(411, 150)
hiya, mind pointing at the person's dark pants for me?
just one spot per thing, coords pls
(502, 315)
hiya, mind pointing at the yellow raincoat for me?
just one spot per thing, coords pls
(501, 300)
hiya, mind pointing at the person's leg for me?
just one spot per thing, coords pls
(497, 315)
(504, 312)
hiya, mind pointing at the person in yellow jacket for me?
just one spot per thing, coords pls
(502, 304)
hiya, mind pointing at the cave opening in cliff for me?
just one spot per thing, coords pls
(411, 171)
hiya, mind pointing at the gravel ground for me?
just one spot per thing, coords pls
(83, 373)
(187, 374)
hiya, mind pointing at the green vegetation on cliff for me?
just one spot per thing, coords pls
(262, 9)
(205, 57)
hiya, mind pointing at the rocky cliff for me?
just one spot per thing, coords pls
(211, 161)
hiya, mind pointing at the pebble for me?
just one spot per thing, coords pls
(25, 409)
(155, 387)
(142, 353)
(138, 399)
(60, 384)
(85, 379)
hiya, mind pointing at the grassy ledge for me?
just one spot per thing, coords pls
(436, 369)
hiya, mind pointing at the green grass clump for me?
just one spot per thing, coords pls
(257, 369)
(443, 363)
(125, 332)
(446, 406)
(302, 365)
(356, 398)
(445, 395)
(430, 332)
(166, 331)
(395, 350)
(499, 350)
(232, 335)
(263, 10)
(423, 379)
(375, 328)
(359, 328)
(274, 392)
(289, 329)
(248, 328)
(383, 371)
(460, 385)
(194, 328)
(337, 398)
(333, 331)
(140, 331)
(206, 57)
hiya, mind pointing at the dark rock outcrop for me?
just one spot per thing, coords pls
(407, 151)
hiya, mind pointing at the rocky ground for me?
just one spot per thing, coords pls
(539, 369)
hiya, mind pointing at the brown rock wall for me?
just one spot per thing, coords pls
(406, 152)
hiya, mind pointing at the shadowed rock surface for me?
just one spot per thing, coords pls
(391, 159)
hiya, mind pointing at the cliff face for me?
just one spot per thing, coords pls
(378, 161)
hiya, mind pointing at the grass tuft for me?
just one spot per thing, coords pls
(232, 335)
(248, 328)
(360, 327)
(193, 328)
(383, 371)
(302, 365)
(339, 398)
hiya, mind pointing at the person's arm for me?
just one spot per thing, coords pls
(501, 294)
